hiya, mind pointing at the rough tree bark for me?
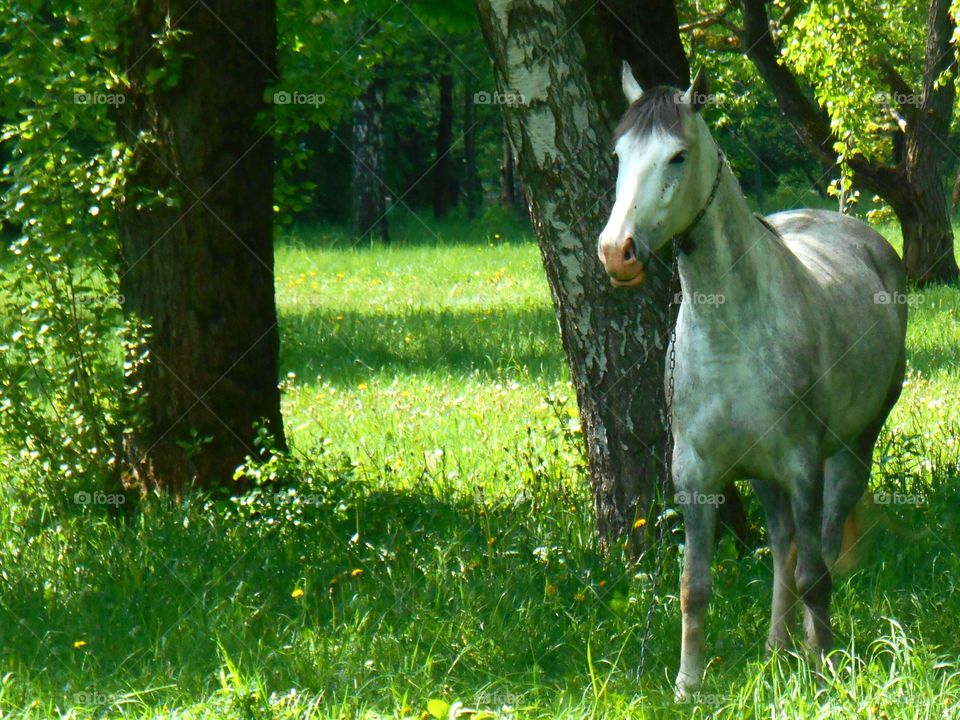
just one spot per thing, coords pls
(508, 192)
(923, 210)
(369, 217)
(912, 185)
(614, 342)
(196, 230)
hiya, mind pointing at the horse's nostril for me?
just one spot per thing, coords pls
(629, 253)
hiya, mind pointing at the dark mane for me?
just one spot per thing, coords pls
(657, 109)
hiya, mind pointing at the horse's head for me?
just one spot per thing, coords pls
(666, 169)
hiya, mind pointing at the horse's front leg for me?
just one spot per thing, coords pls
(699, 519)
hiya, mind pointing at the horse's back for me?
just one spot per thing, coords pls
(842, 251)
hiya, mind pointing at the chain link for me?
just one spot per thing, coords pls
(675, 299)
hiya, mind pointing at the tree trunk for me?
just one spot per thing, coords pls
(441, 166)
(508, 184)
(925, 213)
(369, 191)
(196, 231)
(928, 237)
(955, 197)
(614, 342)
(471, 184)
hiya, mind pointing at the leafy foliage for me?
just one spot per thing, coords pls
(864, 61)
(62, 397)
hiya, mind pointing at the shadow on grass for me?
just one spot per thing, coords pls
(383, 598)
(330, 590)
(348, 346)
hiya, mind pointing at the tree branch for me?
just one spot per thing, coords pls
(808, 119)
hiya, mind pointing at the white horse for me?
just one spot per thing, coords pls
(789, 355)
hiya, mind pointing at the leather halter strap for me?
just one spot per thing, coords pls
(683, 240)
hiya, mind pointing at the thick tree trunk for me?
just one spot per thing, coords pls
(928, 239)
(196, 231)
(925, 213)
(471, 183)
(613, 341)
(441, 169)
(369, 191)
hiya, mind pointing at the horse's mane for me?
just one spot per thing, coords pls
(657, 109)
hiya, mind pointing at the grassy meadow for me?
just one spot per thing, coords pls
(436, 556)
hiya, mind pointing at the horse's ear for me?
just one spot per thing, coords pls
(631, 88)
(696, 96)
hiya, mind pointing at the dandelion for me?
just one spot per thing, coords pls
(580, 596)
(639, 523)
(362, 386)
(80, 644)
(297, 593)
(551, 590)
(356, 572)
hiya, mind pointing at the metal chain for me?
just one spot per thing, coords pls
(675, 299)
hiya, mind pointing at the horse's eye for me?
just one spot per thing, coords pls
(678, 158)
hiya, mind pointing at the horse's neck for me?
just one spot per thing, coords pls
(733, 257)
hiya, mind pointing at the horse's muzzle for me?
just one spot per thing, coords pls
(622, 264)
(635, 281)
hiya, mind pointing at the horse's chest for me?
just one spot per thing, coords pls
(728, 398)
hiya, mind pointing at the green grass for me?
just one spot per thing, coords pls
(439, 546)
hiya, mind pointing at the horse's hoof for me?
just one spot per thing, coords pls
(781, 645)
(685, 688)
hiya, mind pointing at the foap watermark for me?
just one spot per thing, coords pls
(99, 98)
(498, 98)
(897, 298)
(699, 698)
(882, 497)
(698, 99)
(899, 98)
(282, 97)
(294, 497)
(91, 299)
(699, 298)
(99, 498)
(685, 497)
(91, 697)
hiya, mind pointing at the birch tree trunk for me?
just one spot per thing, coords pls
(614, 341)
(369, 195)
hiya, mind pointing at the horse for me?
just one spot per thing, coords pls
(789, 353)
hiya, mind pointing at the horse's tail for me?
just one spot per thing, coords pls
(858, 536)
(855, 530)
